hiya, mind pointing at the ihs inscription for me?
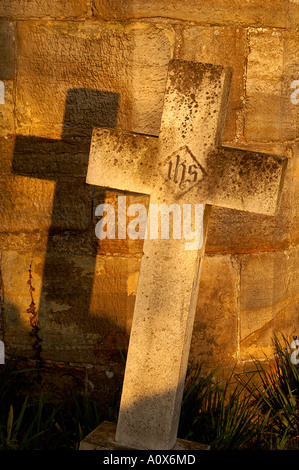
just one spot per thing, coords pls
(184, 170)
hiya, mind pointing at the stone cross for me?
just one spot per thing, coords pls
(184, 165)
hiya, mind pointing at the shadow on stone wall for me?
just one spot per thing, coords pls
(67, 330)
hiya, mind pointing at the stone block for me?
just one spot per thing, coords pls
(24, 241)
(120, 79)
(215, 332)
(268, 299)
(260, 343)
(223, 45)
(293, 16)
(236, 12)
(85, 305)
(29, 204)
(113, 299)
(103, 438)
(7, 50)
(49, 158)
(7, 145)
(22, 9)
(272, 67)
(26, 204)
(16, 300)
(241, 232)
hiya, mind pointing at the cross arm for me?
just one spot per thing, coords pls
(122, 160)
(242, 180)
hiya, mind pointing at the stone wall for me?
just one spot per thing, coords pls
(70, 66)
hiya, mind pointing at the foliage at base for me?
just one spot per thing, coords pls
(256, 410)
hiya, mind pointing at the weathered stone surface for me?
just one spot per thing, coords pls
(243, 180)
(215, 332)
(42, 184)
(293, 17)
(131, 162)
(259, 344)
(255, 13)
(123, 160)
(103, 438)
(270, 115)
(25, 203)
(239, 232)
(87, 319)
(27, 169)
(16, 300)
(24, 9)
(49, 158)
(269, 290)
(23, 241)
(121, 75)
(116, 278)
(233, 231)
(29, 204)
(7, 50)
(7, 145)
(230, 231)
(7, 124)
(85, 305)
(225, 46)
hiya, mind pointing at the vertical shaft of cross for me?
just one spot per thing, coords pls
(159, 344)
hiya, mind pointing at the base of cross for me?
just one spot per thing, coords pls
(102, 438)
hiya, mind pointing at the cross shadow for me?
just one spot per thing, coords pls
(69, 265)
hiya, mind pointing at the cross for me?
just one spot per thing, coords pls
(184, 165)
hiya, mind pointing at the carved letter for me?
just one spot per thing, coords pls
(192, 172)
(176, 172)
